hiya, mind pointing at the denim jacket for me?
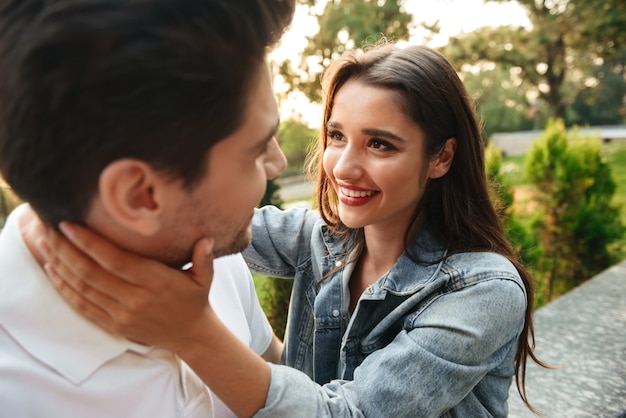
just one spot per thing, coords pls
(425, 340)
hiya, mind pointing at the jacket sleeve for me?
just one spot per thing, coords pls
(431, 366)
(281, 240)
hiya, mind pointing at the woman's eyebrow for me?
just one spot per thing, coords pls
(383, 133)
(333, 124)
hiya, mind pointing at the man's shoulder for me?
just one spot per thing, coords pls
(232, 281)
(232, 267)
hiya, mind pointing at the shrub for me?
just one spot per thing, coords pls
(574, 189)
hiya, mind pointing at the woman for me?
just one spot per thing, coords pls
(407, 301)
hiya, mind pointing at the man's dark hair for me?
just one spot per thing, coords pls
(86, 82)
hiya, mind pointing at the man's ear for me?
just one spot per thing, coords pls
(130, 192)
(440, 165)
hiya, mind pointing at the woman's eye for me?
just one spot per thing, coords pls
(334, 135)
(380, 144)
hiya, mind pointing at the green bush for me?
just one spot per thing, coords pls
(274, 295)
(578, 222)
(516, 226)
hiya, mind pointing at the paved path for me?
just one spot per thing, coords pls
(295, 188)
(518, 143)
(584, 332)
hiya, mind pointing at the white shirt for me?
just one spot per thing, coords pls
(54, 363)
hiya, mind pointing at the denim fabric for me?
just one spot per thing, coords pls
(425, 340)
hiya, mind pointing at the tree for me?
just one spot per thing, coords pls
(602, 100)
(600, 24)
(574, 188)
(344, 24)
(542, 55)
(501, 101)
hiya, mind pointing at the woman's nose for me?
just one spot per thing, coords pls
(348, 164)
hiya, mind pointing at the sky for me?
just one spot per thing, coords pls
(455, 17)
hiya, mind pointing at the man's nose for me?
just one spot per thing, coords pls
(275, 162)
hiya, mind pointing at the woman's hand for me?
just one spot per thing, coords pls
(148, 302)
(138, 298)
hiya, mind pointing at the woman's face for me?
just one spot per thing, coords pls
(374, 158)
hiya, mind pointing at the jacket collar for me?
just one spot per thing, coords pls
(408, 274)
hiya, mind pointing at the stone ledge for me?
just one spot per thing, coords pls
(584, 333)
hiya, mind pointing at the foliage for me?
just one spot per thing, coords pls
(602, 102)
(602, 23)
(614, 154)
(573, 188)
(501, 103)
(8, 202)
(271, 196)
(569, 64)
(344, 25)
(274, 297)
(516, 231)
(500, 193)
(295, 139)
(543, 56)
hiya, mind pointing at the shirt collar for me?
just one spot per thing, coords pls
(37, 317)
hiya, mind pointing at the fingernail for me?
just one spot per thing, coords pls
(52, 273)
(42, 228)
(43, 248)
(208, 250)
(67, 229)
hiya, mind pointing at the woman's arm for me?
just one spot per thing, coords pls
(280, 240)
(238, 376)
(152, 304)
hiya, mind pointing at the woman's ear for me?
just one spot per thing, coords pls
(440, 165)
(130, 192)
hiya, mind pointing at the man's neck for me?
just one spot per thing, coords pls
(32, 230)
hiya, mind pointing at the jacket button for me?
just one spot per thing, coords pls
(338, 263)
(335, 312)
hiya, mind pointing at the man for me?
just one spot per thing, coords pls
(152, 122)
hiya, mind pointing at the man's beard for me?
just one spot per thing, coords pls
(239, 243)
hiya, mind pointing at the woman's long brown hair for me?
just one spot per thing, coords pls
(457, 204)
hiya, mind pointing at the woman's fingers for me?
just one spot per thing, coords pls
(83, 301)
(119, 263)
(134, 313)
(79, 271)
(202, 269)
